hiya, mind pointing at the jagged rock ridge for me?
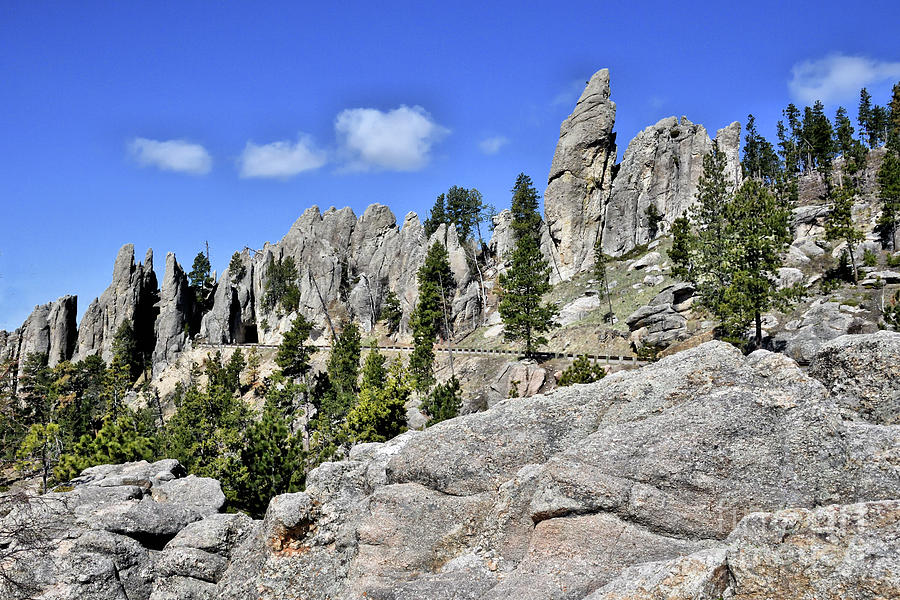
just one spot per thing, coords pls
(589, 196)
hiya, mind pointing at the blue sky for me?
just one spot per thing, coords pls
(167, 124)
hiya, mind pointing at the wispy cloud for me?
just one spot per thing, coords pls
(398, 140)
(282, 159)
(171, 155)
(492, 145)
(838, 77)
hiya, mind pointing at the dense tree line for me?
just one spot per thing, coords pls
(733, 241)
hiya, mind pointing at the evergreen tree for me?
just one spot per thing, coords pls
(40, 450)
(343, 373)
(682, 241)
(581, 371)
(437, 217)
(206, 433)
(759, 234)
(125, 351)
(294, 353)
(374, 372)
(889, 193)
(391, 312)
(33, 394)
(253, 363)
(380, 413)
(790, 140)
(654, 219)
(819, 137)
(271, 462)
(200, 280)
(431, 315)
(600, 262)
(281, 289)
(843, 132)
(839, 222)
(880, 125)
(527, 279)
(736, 248)
(442, 402)
(760, 160)
(236, 267)
(864, 117)
(893, 138)
(123, 438)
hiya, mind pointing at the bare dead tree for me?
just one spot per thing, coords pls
(30, 528)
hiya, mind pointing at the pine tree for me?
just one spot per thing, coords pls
(236, 268)
(380, 413)
(819, 138)
(600, 262)
(790, 140)
(680, 252)
(880, 125)
(843, 132)
(760, 160)
(759, 234)
(893, 138)
(737, 245)
(374, 372)
(201, 283)
(864, 117)
(889, 193)
(391, 312)
(527, 279)
(437, 217)
(124, 438)
(581, 371)
(839, 222)
(294, 353)
(271, 462)
(40, 450)
(343, 372)
(443, 402)
(281, 289)
(431, 315)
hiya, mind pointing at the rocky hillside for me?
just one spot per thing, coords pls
(706, 475)
(347, 264)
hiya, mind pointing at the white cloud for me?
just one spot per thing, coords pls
(492, 145)
(171, 155)
(396, 140)
(838, 77)
(281, 159)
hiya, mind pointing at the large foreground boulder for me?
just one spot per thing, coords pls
(108, 536)
(684, 466)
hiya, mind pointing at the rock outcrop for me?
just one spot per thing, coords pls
(122, 532)
(589, 196)
(664, 321)
(346, 266)
(581, 176)
(175, 312)
(661, 167)
(49, 330)
(706, 475)
(130, 298)
(686, 473)
(801, 338)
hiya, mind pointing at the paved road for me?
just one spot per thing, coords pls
(626, 361)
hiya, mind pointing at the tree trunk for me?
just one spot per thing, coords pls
(758, 318)
(853, 263)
